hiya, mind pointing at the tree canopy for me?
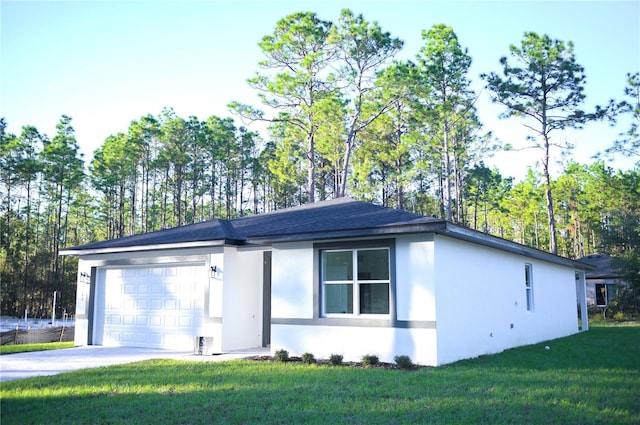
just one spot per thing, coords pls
(345, 118)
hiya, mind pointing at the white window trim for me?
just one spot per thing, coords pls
(529, 299)
(356, 285)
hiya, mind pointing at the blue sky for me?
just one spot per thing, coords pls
(106, 63)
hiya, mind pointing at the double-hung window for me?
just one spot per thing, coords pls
(528, 279)
(355, 281)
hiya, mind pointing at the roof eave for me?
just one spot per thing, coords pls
(153, 247)
(349, 233)
(469, 235)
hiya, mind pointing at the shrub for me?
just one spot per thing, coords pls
(335, 359)
(282, 355)
(403, 362)
(619, 316)
(369, 360)
(596, 314)
(308, 358)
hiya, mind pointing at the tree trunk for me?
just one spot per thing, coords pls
(311, 170)
(553, 244)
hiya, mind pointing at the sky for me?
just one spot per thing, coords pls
(106, 63)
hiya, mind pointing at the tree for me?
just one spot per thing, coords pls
(629, 142)
(299, 53)
(63, 176)
(484, 190)
(144, 134)
(384, 161)
(621, 230)
(219, 139)
(111, 169)
(448, 101)
(362, 48)
(63, 170)
(543, 84)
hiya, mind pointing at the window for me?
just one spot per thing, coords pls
(528, 279)
(604, 294)
(355, 281)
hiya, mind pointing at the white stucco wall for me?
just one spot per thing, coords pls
(292, 281)
(242, 299)
(415, 278)
(216, 285)
(293, 298)
(81, 332)
(481, 300)
(354, 342)
(455, 300)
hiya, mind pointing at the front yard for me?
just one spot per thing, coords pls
(590, 378)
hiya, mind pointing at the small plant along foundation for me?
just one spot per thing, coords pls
(334, 363)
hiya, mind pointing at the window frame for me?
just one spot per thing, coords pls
(609, 293)
(354, 248)
(528, 282)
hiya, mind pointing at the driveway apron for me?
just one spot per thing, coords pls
(43, 363)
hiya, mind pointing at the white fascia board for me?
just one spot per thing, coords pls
(459, 232)
(138, 248)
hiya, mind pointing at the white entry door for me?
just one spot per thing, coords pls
(153, 306)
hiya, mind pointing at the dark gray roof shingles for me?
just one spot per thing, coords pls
(326, 216)
(603, 267)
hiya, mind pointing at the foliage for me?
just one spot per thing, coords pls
(589, 378)
(281, 355)
(370, 360)
(335, 359)
(447, 110)
(43, 195)
(629, 142)
(308, 358)
(344, 118)
(542, 83)
(403, 361)
(620, 232)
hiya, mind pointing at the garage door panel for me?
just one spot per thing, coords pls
(160, 307)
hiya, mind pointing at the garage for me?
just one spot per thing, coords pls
(156, 306)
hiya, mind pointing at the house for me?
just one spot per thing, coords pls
(333, 277)
(601, 282)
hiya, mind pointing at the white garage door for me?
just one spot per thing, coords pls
(158, 307)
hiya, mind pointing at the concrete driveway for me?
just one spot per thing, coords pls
(42, 363)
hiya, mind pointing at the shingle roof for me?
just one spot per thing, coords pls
(603, 267)
(339, 214)
(335, 219)
(326, 217)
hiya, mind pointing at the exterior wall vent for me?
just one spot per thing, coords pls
(203, 345)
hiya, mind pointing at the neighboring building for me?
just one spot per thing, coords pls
(334, 277)
(602, 282)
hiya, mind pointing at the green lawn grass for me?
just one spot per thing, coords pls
(589, 378)
(23, 348)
